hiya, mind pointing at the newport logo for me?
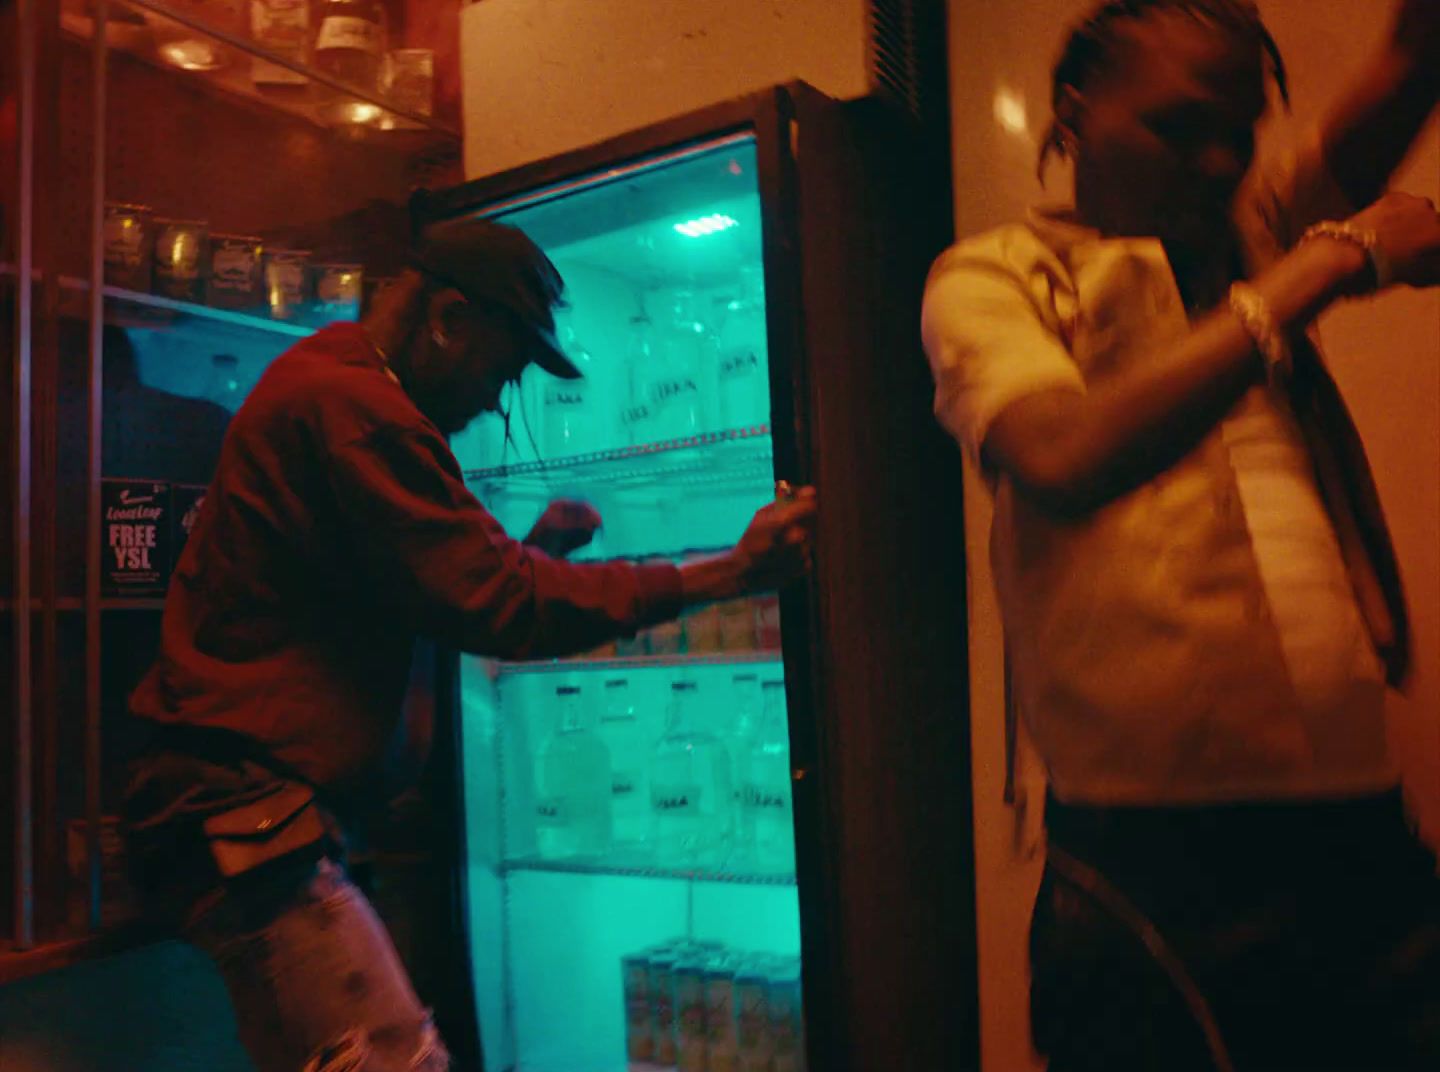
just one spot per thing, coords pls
(129, 498)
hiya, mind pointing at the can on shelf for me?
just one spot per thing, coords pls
(235, 277)
(690, 1032)
(702, 630)
(337, 291)
(752, 1016)
(286, 281)
(786, 1015)
(639, 1030)
(129, 244)
(181, 258)
(721, 1035)
(662, 1004)
(737, 624)
(767, 621)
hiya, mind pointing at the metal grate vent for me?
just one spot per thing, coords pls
(894, 58)
(908, 56)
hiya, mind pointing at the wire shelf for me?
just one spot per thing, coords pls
(639, 662)
(736, 457)
(622, 869)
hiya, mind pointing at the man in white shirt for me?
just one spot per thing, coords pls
(1200, 599)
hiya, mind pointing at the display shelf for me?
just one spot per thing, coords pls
(726, 456)
(384, 123)
(639, 662)
(135, 308)
(622, 869)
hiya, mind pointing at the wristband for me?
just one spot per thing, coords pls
(1253, 312)
(1365, 238)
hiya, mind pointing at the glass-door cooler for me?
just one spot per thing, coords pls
(631, 840)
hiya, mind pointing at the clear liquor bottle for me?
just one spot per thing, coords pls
(743, 731)
(767, 784)
(572, 808)
(570, 416)
(350, 43)
(690, 790)
(624, 735)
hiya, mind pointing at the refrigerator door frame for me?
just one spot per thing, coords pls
(765, 116)
(913, 1006)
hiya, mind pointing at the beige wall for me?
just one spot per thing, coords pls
(546, 76)
(1386, 356)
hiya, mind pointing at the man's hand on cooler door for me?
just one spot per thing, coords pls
(777, 546)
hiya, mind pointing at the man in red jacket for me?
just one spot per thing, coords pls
(338, 528)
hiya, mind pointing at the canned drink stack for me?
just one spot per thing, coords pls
(690, 1035)
(661, 978)
(752, 1015)
(722, 1042)
(639, 1028)
(786, 1016)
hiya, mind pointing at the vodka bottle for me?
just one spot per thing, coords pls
(637, 419)
(572, 808)
(624, 736)
(767, 784)
(570, 417)
(690, 788)
(745, 691)
(672, 382)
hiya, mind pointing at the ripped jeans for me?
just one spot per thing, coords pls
(315, 980)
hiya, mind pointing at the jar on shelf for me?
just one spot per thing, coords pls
(129, 245)
(350, 44)
(235, 272)
(283, 28)
(337, 291)
(181, 260)
(287, 277)
(409, 81)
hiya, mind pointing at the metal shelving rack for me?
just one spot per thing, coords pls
(47, 220)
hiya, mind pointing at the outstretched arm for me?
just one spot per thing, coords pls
(1371, 127)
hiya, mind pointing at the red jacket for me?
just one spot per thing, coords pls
(337, 528)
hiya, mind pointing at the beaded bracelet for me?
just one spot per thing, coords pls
(1253, 312)
(1365, 238)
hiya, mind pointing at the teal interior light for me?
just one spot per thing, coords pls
(701, 226)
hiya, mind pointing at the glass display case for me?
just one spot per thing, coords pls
(196, 185)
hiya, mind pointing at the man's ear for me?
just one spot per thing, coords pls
(440, 310)
(1069, 119)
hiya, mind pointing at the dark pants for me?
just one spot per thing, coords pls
(1286, 936)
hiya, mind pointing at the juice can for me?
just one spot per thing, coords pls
(752, 1016)
(721, 1035)
(690, 1031)
(737, 624)
(786, 1016)
(639, 1030)
(666, 638)
(661, 979)
(767, 621)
